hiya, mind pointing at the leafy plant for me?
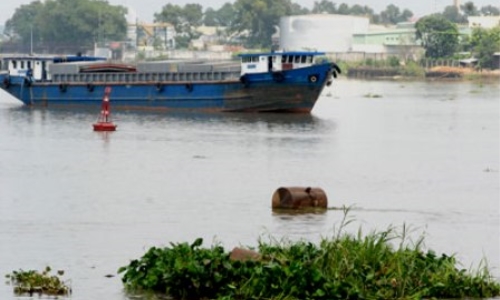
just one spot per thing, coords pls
(413, 69)
(379, 265)
(438, 35)
(182, 271)
(30, 282)
(485, 42)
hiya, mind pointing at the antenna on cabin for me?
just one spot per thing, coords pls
(31, 39)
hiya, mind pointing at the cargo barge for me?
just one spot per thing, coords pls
(259, 82)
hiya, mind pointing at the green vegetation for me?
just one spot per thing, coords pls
(383, 265)
(184, 19)
(484, 43)
(31, 282)
(469, 9)
(376, 68)
(438, 35)
(244, 22)
(259, 18)
(59, 23)
(413, 69)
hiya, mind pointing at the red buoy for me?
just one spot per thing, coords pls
(104, 121)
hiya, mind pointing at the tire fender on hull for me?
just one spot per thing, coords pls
(278, 76)
(63, 87)
(90, 87)
(27, 82)
(244, 80)
(313, 78)
(159, 87)
(6, 82)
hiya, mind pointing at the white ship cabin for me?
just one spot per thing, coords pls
(276, 61)
(37, 67)
(24, 65)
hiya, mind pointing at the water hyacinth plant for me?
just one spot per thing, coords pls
(34, 282)
(339, 267)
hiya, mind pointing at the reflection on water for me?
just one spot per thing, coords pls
(88, 202)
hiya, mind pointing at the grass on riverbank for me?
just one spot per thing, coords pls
(382, 68)
(392, 68)
(340, 267)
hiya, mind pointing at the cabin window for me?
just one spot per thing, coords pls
(29, 64)
(44, 70)
(309, 59)
(22, 64)
(248, 59)
(14, 64)
(303, 59)
(290, 59)
(283, 59)
(297, 59)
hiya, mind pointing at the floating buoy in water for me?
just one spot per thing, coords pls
(104, 122)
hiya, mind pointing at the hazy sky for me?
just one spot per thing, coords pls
(145, 9)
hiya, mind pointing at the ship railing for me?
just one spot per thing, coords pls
(145, 77)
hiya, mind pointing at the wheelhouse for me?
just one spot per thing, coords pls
(276, 61)
(38, 67)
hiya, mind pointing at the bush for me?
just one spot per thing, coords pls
(393, 61)
(30, 282)
(340, 267)
(413, 69)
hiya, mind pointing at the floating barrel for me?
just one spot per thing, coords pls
(299, 197)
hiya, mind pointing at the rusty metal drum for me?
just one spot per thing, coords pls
(299, 197)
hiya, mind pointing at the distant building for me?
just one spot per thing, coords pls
(158, 36)
(349, 35)
(486, 22)
(398, 40)
(210, 36)
(496, 60)
(321, 32)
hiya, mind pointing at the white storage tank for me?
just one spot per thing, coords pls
(322, 32)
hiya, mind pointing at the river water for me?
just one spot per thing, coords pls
(420, 154)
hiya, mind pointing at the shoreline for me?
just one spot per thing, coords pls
(412, 72)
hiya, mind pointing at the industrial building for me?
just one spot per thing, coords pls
(322, 32)
(399, 41)
(486, 22)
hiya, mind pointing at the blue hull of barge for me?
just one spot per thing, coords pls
(291, 91)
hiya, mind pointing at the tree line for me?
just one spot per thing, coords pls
(86, 22)
(67, 22)
(441, 38)
(257, 19)
(89, 21)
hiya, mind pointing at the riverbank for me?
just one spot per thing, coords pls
(415, 71)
